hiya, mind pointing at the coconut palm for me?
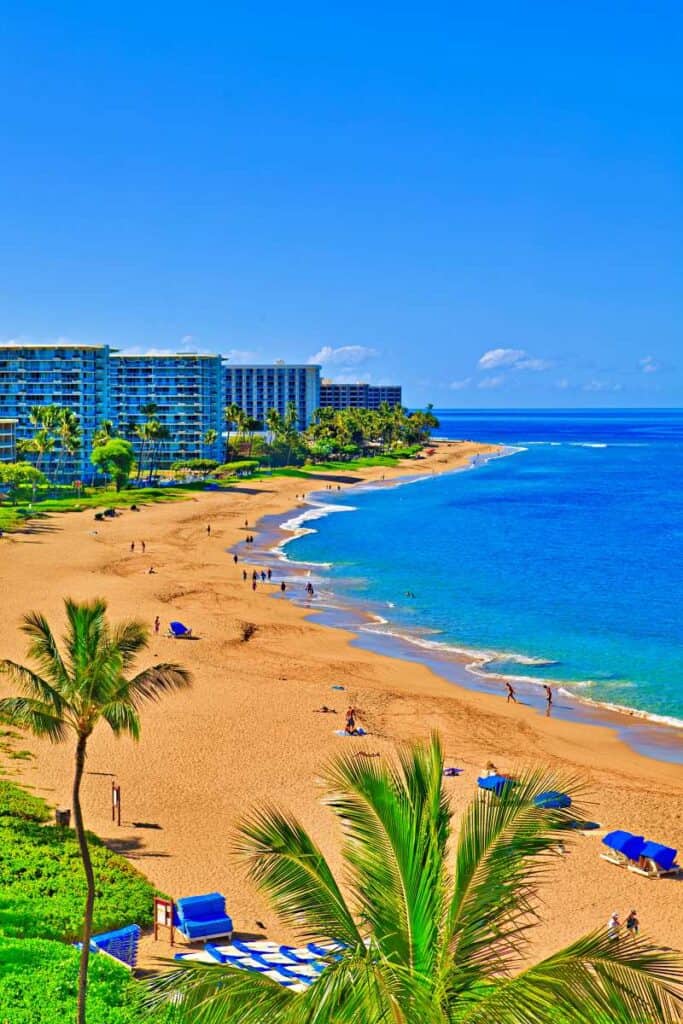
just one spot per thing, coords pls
(69, 434)
(72, 690)
(210, 437)
(430, 929)
(231, 414)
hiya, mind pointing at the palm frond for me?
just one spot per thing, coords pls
(35, 716)
(122, 718)
(396, 826)
(504, 849)
(285, 863)
(32, 685)
(129, 638)
(197, 993)
(596, 980)
(152, 683)
(87, 629)
(44, 649)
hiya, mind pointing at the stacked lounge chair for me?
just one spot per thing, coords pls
(121, 944)
(202, 917)
(623, 847)
(293, 967)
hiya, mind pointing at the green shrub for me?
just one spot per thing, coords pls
(15, 802)
(38, 982)
(42, 886)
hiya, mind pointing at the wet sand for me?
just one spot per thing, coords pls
(247, 733)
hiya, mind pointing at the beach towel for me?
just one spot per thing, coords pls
(360, 731)
(450, 772)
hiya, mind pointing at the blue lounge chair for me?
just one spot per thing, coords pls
(121, 944)
(495, 783)
(623, 847)
(552, 800)
(202, 917)
(656, 860)
(178, 631)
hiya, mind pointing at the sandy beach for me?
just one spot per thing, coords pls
(247, 732)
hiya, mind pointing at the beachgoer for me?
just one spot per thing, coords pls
(235, 559)
(350, 726)
(324, 710)
(254, 575)
(208, 529)
(548, 694)
(143, 546)
(490, 769)
(151, 570)
(253, 584)
(132, 545)
(244, 574)
(511, 693)
(263, 576)
(269, 573)
(632, 923)
(614, 926)
(283, 586)
(157, 624)
(246, 524)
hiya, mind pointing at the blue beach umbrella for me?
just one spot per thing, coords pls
(552, 800)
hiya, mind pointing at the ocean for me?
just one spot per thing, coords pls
(561, 561)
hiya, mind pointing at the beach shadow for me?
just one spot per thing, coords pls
(132, 849)
(249, 490)
(146, 824)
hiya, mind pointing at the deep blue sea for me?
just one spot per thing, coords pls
(562, 561)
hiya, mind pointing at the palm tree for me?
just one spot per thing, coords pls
(157, 433)
(231, 414)
(105, 432)
(432, 930)
(72, 691)
(209, 439)
(274, 423)
(69, 434)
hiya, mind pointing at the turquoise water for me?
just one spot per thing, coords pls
(562, 562)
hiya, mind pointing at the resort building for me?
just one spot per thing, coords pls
(75, 376)
(8, 440)
(358, 396)
(187, 391)
(256, 389)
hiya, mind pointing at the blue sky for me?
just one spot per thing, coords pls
(481, 202)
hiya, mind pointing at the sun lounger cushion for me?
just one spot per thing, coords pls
(663, 856)
(627, 845)
(495, 783)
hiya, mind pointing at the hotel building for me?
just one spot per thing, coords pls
(256, 389)
(358, 396)
(76, 376)
(186, 389)
(8, 440)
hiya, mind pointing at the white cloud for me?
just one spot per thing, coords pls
(649, 364)
(459, 385)
(601, 385)
(563, 383)
(487, 383)
(513, 358)
(345, 355)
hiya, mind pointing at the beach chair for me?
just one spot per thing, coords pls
(202, 917)
(623, 847)
(121, 945)
(656, 861)
(178, 631)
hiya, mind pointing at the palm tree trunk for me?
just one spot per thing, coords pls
(89, 878)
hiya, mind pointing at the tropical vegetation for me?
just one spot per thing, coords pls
(432, 926)
(70, 691)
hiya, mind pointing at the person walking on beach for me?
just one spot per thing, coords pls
(283, 586)
(269, 573)
(632, 924)
(244, 575)
(132, 545)
(614, 926)
(208, 529)
(254, 576)
(350, 726)
(511, 693)
(263, 576)
(143, 546)
(235, 559)
(253, 584)
(157, 625)
(246, 524)
(548, 695)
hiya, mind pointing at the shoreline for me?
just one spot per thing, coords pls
(247, 734)
(647, 733)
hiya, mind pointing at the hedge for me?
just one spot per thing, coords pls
(42, 885)
(38, 983)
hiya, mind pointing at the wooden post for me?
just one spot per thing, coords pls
(163, 916)
(116, 803)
